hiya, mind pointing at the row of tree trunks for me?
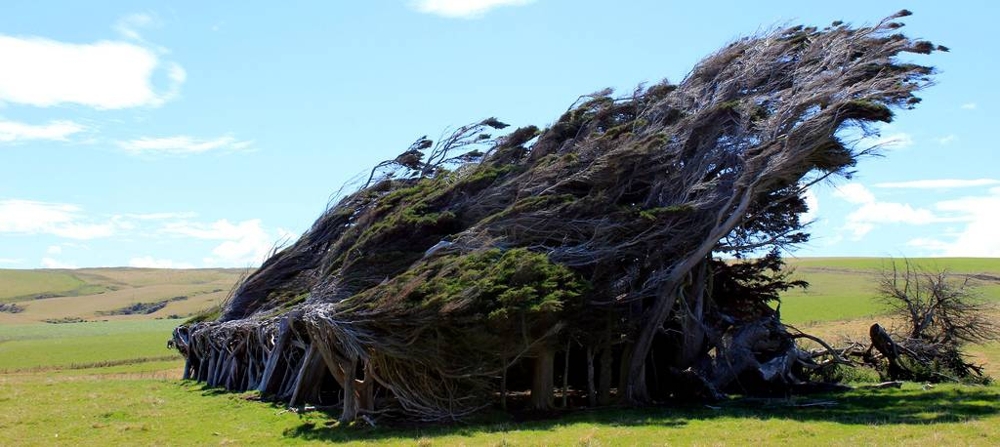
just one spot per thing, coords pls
(294, 362)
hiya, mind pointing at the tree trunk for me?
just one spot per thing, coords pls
(503, 385)
(365, 389)
(187, 367)
(302, 378)
(693, 326)
(542, 383)
(604, 386)
(268, 381)
(729, 216)
(591, 388)
(565, 382)
(350, 412)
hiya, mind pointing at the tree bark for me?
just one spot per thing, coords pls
(302, 378)
(268, 381)
(350, 412)
(591, 388)
(542, 383)
(604, 386)
(565, 382)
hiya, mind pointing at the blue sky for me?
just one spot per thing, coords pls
(197, 134)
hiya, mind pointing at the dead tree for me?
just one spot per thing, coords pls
(941, 313)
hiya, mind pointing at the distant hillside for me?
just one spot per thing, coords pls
(110, 293)
(841, 289)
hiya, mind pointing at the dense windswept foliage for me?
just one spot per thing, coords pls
(578, 257)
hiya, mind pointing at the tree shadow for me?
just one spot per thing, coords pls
(945, 404)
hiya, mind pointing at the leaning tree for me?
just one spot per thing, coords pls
(580, 261)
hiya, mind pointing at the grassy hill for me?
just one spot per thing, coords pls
(110, 293)
(112, 380)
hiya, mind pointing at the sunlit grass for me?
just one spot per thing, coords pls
(72, 345)
(108, 383)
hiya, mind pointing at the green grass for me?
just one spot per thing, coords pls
(89, 294)
(844, 288)
(28, 283)
(46, 346)
(108, 383)
(90, 410)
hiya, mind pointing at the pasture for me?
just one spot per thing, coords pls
(101, 293)
(115, 383)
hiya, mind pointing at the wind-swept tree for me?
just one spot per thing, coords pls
(581, 256)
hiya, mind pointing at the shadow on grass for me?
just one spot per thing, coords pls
(946, 404)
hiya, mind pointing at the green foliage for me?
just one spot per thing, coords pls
(838, 373)
(210, 314)
(866, 110)
(11, 308)
(658, 213)
(509, 288)
(743, 289)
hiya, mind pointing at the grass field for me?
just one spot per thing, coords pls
(843, 288)
(44, 346)
(95, 294)
(115, 383)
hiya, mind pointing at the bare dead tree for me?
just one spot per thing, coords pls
(942, 312)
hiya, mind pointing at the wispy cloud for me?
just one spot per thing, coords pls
(948, 139)
(129, 26)
(243, 243)
(10, 261)
(58, 219)
(969, 106)
(183, 145)
(463, 9)
(51, 263)
(104, 75)
(13, 131)
(939, 184)
(162, 216)
(895, 141)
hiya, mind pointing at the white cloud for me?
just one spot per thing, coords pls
(11, 131)
(54, 250)
(854, 193)
(872, 212)
(150, 262)
(182, 144)
(812, 203)
(969, 106)
(939, 183)
(896, 141)
(980, 237)
(244, 243)
(59, 219)
(10, 261)
(50, 263)
(465, 9)
(162, 216)
(104, 75)
(130, 25)
(948, 139)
